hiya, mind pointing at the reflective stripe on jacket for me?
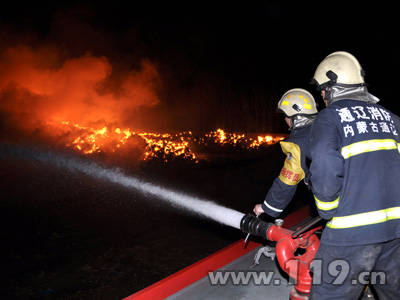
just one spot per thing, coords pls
(355, 172)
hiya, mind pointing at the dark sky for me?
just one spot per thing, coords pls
(258, 43)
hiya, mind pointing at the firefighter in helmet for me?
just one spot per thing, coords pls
(354, 176)
(299, 108)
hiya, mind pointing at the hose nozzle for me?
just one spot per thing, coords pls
(253, 225)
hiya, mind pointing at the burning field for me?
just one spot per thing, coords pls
(73, 235)
(166, 147)
(86, 104)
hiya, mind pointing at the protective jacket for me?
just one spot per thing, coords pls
(294, 170)
(355, 173)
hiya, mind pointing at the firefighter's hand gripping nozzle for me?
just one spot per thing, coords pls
(296, 266)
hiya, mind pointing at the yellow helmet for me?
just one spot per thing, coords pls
(339, 68)
(297, 102)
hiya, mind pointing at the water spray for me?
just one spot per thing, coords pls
(288, 241)
(201, 207)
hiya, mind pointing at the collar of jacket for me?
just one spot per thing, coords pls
(360, 93)
(300, 121)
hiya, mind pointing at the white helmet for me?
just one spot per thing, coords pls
(339, 68)
(297, 102)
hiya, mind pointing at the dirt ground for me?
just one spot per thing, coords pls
(65, 235)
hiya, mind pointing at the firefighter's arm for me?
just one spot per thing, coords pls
(327, 165)
(284, 186)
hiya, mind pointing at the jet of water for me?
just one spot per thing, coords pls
(201, 207)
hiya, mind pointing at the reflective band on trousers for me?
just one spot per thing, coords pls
(369, 146)
(368, 218)
(326, 205)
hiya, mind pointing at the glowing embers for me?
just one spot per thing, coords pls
(240, 140)
(91, 140)
(222, 137)
(269, 140)
(164, 147)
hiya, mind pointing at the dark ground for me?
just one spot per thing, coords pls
(65, 235)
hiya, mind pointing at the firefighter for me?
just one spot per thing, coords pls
(355, 171)
(300, 110)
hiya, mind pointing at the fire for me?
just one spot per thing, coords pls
(124, 139)
(163, 147)
(91, 140)
(263, 140)
(167, 147)
(157, 146)
(223, 138)
(65, 98)
(220, 136)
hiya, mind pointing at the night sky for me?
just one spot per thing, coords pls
(266, 44)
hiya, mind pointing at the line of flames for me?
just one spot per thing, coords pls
(162, 146)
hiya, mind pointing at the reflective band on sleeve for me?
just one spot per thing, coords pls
(368, 218)
(326, 205)
(368, 146)
(272, 208)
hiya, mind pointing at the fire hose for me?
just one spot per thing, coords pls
(288, 242)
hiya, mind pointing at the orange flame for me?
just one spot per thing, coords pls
(36, 88)
(39, 86)
(161, 146)
(165, 147)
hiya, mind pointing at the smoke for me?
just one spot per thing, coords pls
(39, 87)
(201, 207)
(60, 65)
